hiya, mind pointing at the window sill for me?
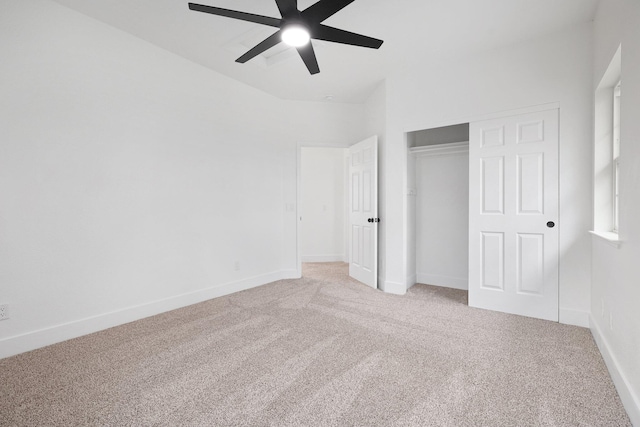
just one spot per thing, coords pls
(612, 239)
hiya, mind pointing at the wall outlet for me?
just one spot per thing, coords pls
(4, 311)
(236, 266)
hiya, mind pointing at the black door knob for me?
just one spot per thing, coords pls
(551, 224)
(370, 220)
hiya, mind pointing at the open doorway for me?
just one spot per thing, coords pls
(323, 204)
(338, 201)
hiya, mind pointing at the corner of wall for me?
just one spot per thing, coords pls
(411, 280)
(574, 317)
(629, 398)
(393, 287)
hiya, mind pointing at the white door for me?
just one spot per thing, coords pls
(363, 211)
(513, 215)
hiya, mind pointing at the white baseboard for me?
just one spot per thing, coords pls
(394, 288)
(574, 317)
(629, 399)
(11, 346)
(443, 281)
(289, 274)
(323, 258)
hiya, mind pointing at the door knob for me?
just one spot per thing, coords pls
(370, 220)
(551, 224)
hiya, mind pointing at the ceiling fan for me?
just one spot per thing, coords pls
(296, 28)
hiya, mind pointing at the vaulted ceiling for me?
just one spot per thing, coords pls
(412, 30)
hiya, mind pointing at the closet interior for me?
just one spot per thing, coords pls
(438, 205)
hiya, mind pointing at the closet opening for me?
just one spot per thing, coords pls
(438, 206)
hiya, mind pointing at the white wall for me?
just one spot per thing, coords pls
(553, 69)
(442, 219)
(615, 317)
(323, 204)
(132, 181)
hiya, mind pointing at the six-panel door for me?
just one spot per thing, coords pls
(363, 207)
(513, 212)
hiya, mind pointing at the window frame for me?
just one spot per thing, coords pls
(615, 158)
(607, 163)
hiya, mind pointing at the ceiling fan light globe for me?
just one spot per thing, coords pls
(295, 36)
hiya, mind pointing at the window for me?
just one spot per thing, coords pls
(616, 156)
(606, 183)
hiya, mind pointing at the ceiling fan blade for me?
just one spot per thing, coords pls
(243, 16)
(288, 9)
(267, 43)
(320, 11)
(309, 57)
(330, 34)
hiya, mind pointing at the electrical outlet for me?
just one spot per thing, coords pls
(237, 265)
(4, 311)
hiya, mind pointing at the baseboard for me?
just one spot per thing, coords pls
(289, 274)
(574, 317)
(11, 346)
(443, 281)
(394, 288)
(323, 258)
(629, 399)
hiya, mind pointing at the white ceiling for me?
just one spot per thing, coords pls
(411, 30)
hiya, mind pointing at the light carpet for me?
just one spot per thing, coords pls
(323, 350)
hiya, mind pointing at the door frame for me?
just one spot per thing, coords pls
(480, 117)
(299, 147)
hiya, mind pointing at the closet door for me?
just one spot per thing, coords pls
(513, 215)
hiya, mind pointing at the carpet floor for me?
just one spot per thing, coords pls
(323, 350)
